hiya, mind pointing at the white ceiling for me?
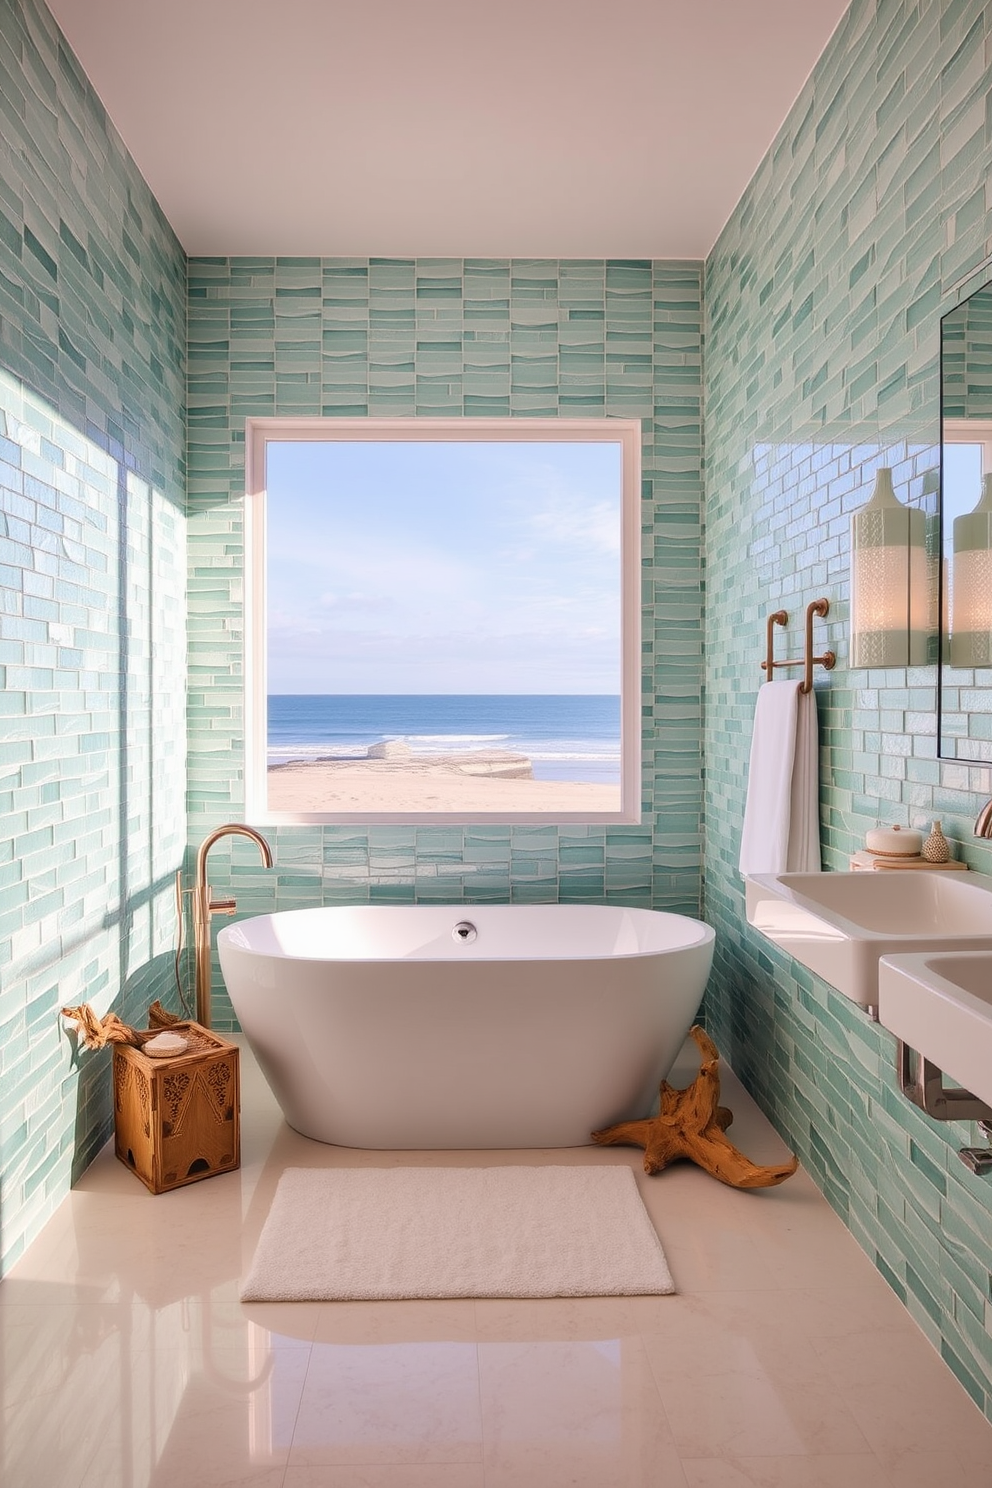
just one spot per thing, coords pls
(452, 128)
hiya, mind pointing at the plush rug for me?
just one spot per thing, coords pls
(361, 1233)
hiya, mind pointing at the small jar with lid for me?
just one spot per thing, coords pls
(894, 842)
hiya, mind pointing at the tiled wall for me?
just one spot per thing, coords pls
(447, 337)
(823, 296)
(966, 371)
(92, 583)
(822, 302)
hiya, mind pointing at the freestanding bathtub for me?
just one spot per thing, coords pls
(457, 1026)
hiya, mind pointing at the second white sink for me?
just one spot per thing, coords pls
(941, 1005)
(839, 925)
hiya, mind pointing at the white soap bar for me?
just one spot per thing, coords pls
(164, 1044)
(895, 842)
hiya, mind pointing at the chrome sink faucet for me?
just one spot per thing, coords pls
(983, 821)
(204, 907)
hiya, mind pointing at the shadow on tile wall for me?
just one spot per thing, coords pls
(92, 622)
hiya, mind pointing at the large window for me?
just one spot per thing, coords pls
(443, 620)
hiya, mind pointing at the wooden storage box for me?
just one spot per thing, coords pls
(178, 1119)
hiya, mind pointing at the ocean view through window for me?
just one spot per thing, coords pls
(442, 620)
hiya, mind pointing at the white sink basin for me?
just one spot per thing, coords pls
(940, 1004)
(840, 924)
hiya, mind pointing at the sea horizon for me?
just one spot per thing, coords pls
(566, 736)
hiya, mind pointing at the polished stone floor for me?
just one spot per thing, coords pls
(783, 1362)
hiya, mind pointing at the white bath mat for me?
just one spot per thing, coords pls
(361, 1233)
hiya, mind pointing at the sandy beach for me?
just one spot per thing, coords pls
(473, 782)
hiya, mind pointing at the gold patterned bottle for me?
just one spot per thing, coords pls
(935, 849)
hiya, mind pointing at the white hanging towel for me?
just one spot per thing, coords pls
(782, 815)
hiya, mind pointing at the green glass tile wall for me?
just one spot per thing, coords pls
(398, 337)
(92, 588)
(823, 296)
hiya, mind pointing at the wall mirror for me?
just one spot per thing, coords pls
(964, 709)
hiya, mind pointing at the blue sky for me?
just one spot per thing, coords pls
(431, 567)
(962, 483)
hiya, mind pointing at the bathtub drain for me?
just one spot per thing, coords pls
(464, 931)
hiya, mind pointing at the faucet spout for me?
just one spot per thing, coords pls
(205, 906)
(983, 821)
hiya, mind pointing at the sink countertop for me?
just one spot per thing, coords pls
(839, 925)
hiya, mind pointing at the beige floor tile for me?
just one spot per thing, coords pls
(450, 1320)
(21, 1288)
(288, 1324)
(830, 1312)
(975, 1458)
(754, 1415)
(46, 1348)
(913, 1467)
(714, 1259)
(390, 1402)
(903, 1395)
(553, 1319)
(805, 1244)
(388, 1475)
(203, 1378)
(736, 1388)
(787, 1472)
(42, 1446)
(747, 1333)
(172, 1473)
(920, 1467)
(201, 1441)
(581, 1414)
(110, 1245)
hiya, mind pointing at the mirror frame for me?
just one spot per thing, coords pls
(950, 744)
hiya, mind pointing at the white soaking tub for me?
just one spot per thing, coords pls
(456, 1026)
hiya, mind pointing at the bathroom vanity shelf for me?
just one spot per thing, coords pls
(867, 862)
(807, 661)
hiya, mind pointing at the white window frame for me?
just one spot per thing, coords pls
(970, 431)
(259, 432)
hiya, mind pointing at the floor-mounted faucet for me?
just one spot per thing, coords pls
(204, 907)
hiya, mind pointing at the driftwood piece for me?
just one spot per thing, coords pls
(97, 1032)
(691, 1124)
(160, 1017)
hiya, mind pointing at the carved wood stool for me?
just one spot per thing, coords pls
(178, 1119)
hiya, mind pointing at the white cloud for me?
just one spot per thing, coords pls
(595, 527)
(514, 588)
